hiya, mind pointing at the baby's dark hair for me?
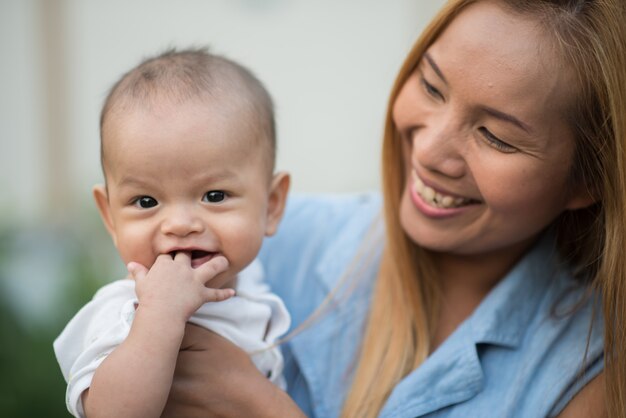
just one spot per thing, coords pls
(181, 75)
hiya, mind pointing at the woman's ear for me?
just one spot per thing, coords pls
(582, 197)
(277, 200)
(101, 197)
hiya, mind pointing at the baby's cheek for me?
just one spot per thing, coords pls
(242, 246)
(137, 248)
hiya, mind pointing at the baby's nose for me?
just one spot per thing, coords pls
(181, 221)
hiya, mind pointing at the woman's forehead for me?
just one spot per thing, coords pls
(490, 53)
(495, 33)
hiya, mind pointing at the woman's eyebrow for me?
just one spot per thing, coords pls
(435, 67)
(507, 118)
(493, 112)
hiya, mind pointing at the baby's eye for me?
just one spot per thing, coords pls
(145, 202)
(214, 196)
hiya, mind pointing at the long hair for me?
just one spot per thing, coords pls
(590, 37)
(406, 297)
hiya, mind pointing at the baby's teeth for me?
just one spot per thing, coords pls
(459, 201)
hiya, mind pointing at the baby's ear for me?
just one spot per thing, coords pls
(277, 199)
(101, 197)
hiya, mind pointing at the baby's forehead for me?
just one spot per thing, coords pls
(203, 126)
(219, 117)
(165, 86)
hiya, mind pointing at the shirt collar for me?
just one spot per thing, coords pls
(453, 373)
(500, 319)
(503, 316)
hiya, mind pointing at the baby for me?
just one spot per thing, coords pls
(187, 150)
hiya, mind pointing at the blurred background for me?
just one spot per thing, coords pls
(329, 65)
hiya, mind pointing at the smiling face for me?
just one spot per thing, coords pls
(487, 146)
(186, 177)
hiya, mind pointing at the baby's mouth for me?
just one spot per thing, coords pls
(437, 199)
(198, 257)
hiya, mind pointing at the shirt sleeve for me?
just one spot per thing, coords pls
(93, 333)
(590, 373)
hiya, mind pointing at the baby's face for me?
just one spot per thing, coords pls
(182, 178)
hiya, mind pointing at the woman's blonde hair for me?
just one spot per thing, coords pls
(590, 36)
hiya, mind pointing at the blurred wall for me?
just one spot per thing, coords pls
(328, 63)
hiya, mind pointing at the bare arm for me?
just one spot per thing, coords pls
(215, 378)
(135, 379)
(589, 402)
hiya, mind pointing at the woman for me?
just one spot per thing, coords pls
(504, 190)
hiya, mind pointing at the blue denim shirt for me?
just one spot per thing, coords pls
(520, 354)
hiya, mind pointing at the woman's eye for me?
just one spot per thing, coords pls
(145, 202)
(430, 89)
(214, 196)
(496, 142)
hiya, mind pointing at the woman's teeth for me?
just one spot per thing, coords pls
(437, 199)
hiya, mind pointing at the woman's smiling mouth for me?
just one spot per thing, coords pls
(437, 199)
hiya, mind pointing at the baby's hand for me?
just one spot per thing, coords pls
(175, 289)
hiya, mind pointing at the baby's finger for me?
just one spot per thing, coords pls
(163, 258)
(137, 271)
(183, 256)
(218, 295)
(212, 268)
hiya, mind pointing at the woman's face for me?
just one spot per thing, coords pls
(487, 147)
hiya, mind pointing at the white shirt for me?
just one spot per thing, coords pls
(253, 320)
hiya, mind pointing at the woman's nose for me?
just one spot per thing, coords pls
(439, 146)
(181, 221)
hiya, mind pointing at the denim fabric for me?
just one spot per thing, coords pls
(524, 352)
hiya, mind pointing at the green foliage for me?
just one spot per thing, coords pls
(31, 383)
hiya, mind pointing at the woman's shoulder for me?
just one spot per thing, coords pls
(558, 326)
(328, 212)
(527, 350)
(558, 348)
(313, 222)
(318, 237)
